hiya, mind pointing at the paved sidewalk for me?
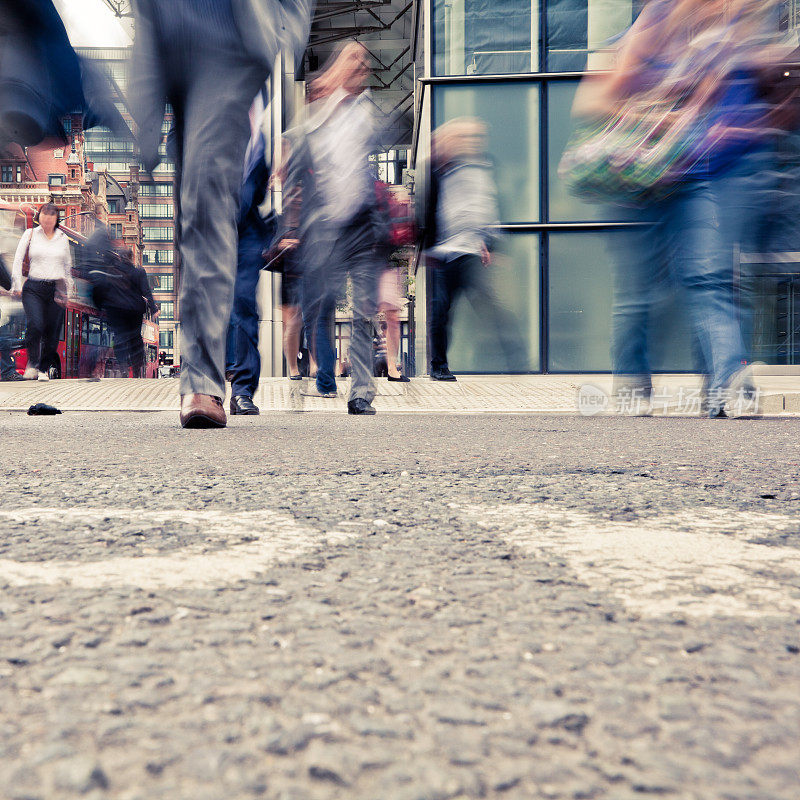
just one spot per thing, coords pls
(530, 394)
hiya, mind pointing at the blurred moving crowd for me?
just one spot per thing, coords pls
(691, 134)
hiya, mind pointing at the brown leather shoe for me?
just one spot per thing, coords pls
(202, 411)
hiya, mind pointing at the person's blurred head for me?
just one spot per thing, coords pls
(460, 139)
(348, 69)
(49, 217)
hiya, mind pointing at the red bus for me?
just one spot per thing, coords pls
(86, 344)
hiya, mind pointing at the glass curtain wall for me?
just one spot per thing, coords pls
(516, 64)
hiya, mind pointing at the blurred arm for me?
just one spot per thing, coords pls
(599, 95)
(16, 269)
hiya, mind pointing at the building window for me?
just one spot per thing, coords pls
(161, 282)
(167, 310)
(165, 339)
(164, 234)
(57, 180)
(116, 230)
(474, 37)
(390, 166)
(116, 206)
(156, 211)
(159, 256)
(19, 174)
(67, 123)
(579, 32)
(6, 174)
(155, 190)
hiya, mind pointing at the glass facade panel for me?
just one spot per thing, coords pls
(581, 280)
(512, 114)
(563, 206)
(580, 32)
(482, 37)
(579, 310)
(474, 342)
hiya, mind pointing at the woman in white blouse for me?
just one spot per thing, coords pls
(49, 279)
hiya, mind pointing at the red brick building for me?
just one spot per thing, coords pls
(53, 171)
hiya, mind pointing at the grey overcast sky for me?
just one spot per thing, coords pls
(90, 23)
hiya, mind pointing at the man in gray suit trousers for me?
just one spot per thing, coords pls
(208, 59)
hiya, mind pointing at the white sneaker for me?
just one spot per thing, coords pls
(30, 374)
(43, 376)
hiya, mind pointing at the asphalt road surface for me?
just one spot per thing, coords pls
(399, 608)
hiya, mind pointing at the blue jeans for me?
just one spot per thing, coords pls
(242, 357)
(331, 255)
(687, 241)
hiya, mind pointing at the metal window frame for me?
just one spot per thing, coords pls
(544, 227)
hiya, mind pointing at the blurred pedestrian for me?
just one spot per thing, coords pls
(462, 237)
(10, 314)
(208, 59)
(689, 71)
(121, 290)
(44, 262)
(42, 79)
(339, 224)
(283, 258)
(380, 368)
(243, 360)
(399, 232)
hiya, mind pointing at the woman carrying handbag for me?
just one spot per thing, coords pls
(679, 138)
(43, 258)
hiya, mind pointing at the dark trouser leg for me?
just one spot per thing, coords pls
(244, 361)
(215, 133)
(324, 351)
(364, 273)
(35, 302)
(55, 327)
(125, 331)
(444, 277)
(322, 279)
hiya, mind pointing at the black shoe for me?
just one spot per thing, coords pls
(399, 379)
(13, 376)
(359, 406)
(442, 374)
(241, 404)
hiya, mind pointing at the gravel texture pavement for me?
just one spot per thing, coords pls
(305, 607)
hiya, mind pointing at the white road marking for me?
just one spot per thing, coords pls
(697, 562)
(259, 539)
